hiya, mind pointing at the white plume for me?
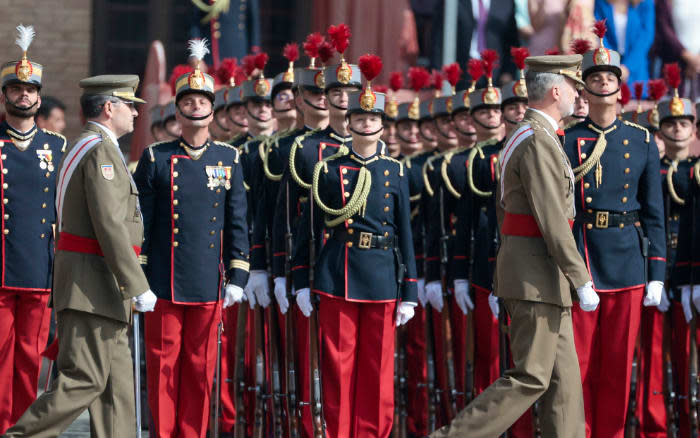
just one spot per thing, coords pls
(198, 48)
(25, 35)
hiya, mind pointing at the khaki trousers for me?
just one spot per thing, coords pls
(545, 368)
(94, 372)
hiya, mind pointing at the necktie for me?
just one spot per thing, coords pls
(481, 26)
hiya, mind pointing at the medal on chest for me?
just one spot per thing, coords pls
(218, 176)
(45, 159)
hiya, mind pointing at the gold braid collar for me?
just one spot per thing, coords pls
(594, 159)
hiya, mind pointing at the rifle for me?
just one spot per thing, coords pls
(669, 388)
(258, 389)
(137, 372)
(450, 399)
(402, 402)
(433, 396)
(632, 420)
(239, 382)
(217, 381)
(274, 387)
(693, 356)
(293, 411)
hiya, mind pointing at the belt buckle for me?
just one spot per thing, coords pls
(601, 219)
(365, 240)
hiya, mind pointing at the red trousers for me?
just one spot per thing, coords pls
(357, 367)
(416, 374)
(24, 330)
(180, 364)
(605, 341)
(228, 364)
(651, 410)
(486, 345)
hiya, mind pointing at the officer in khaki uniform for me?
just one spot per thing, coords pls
(96, 273)
(537, 265)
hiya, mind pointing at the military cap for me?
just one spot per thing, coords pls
(515, 91)
(220, 98)
(649, 119)
(442, 106)
(196, 81)
(283, 81)
(566, 65)
(234, 97)
(601, 59)
(409, 111)
(169, 111)
(310, 78)
(426, 110)
(342, 75)
(23, 71)
(676, 108)
(256, 89)
(156, 114)
(489, 97)
(460, 101)
(121, 86)
(366, 101)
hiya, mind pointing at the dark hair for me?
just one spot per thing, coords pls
(92, 104)
(48, 103)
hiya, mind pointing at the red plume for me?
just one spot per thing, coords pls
(436, 79)
(519, 54)
(226, 70)
(580, 46)
(395, 80)
(552, 51)
(419, 78)
(490, 59)
(260, 61)
(248, 64)
(475, 68)
(370, 66)
(638, 90)
(340, 37)
(312, 44)
(291, 52)
(624, 94)
(657, 89)
(452, 72)
(599, 28)
(240, 75)
(672, 74)
(178, 71)
(325, 52)
(380, 88)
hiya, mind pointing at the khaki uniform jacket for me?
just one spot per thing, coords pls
(537, 181)
(105, 209)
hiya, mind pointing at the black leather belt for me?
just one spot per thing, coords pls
(608, 219)
(364, 240)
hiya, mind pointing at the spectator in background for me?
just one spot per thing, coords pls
(481, 24)
(51, 115)
(678, 39)
(578, 23)
(548, 18)
(630, 32)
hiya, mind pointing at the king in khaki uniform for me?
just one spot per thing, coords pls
(365, 274)
(537, 265)
(194, 208)
(619, 218)
(96, 272)
(28, 160)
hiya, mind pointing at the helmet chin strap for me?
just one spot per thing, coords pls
(255, 117)
(675, 140)
(405, 140)
(282, 111)
(314, 106)
(465, 133)
(194, 118)
(512, 122)
(483, 125)
(363, 134)
(600, 94)
(575, 116)
(341, 108)
(8, 102)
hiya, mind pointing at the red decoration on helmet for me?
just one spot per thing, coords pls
(395, 81)
(419, 78)
(580, 46)
(370, 66)
(657, 89)
(625, 94)
(672, 74)
(340, 37)
(452, 72)
(227, 70)
(519, 55)
(600, 28)
(325, 52)
(291, 52)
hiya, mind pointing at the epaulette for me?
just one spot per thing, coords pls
(300, 138)
(386, 157)
(62, 137)
(634, 125)
(571, 124)
(228, 146)
(152, 145)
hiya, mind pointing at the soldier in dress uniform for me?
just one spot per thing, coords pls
(391, 111)
(157, 123)
(619, 217)
(537, 266)
(170, 124)
(196, 240)
(28, 161)
(96, 272)
(219, 126)
(426, 126)
(365, 275)
(282, 95)
(237, 117)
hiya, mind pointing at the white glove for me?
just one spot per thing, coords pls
(281, 294)
(685, 302)
(304, 301)
(232, 294)
(696, 296)
(145, 302)
(654, 292)
(422, 299)
(462, 295)
(257, 290)
(493, 304)
(588, 298)
(433, 292)
(664, 304)
(404, 313)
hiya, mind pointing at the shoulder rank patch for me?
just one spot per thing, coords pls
(107, 171)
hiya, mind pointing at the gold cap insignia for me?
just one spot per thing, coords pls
(490, 96)
(262, 87)
(367, 100)
(319, 80)
(23, 70)
(676, 106)
(448, 105)
(343, 73)
(520, 89)
(196, 80)
(288, 76)
(414, 110)
(601, 56)
(392, 109)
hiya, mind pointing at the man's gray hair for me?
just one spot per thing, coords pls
(539, 83)
(92, 104)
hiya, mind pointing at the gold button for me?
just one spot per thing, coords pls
(582, 142)
(4, 185)
(625, 142)
(344, 171)
(211, 245)
(213, 219)
(43, 220)
(386, 196)
(350, 221)
(175, 202)
(42, 235)
(386, 234)
(386, 209)
(622, 225)
(175, 244)
(5, 200)
(589, 226)
(176, 174)
(494, 159)
(176, 216)
(43, 205)
(349, 244)
(590, 211)
(212, 232)
(583, 155)
(46, 146)
(217, 25)
(4, 171)
(323, 146)
(219, 163)
(46, 189)
(384, 223)
(347, 194)
(176, 230)
(586, 185)
(627, 155)
(386, 184)
(174, 160)
(3, 156)
(175, 187)
(48, 174)
(589, 200)
(627, 170)
(218, 190)
(454, 232)
(627, 186)
(386, 173)
(6, 216)
(346, 181)
(6, 231)
(122, 288)
(217, 34)
(216, 204)
(327, 236)
(624, 199)
(351, 231)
